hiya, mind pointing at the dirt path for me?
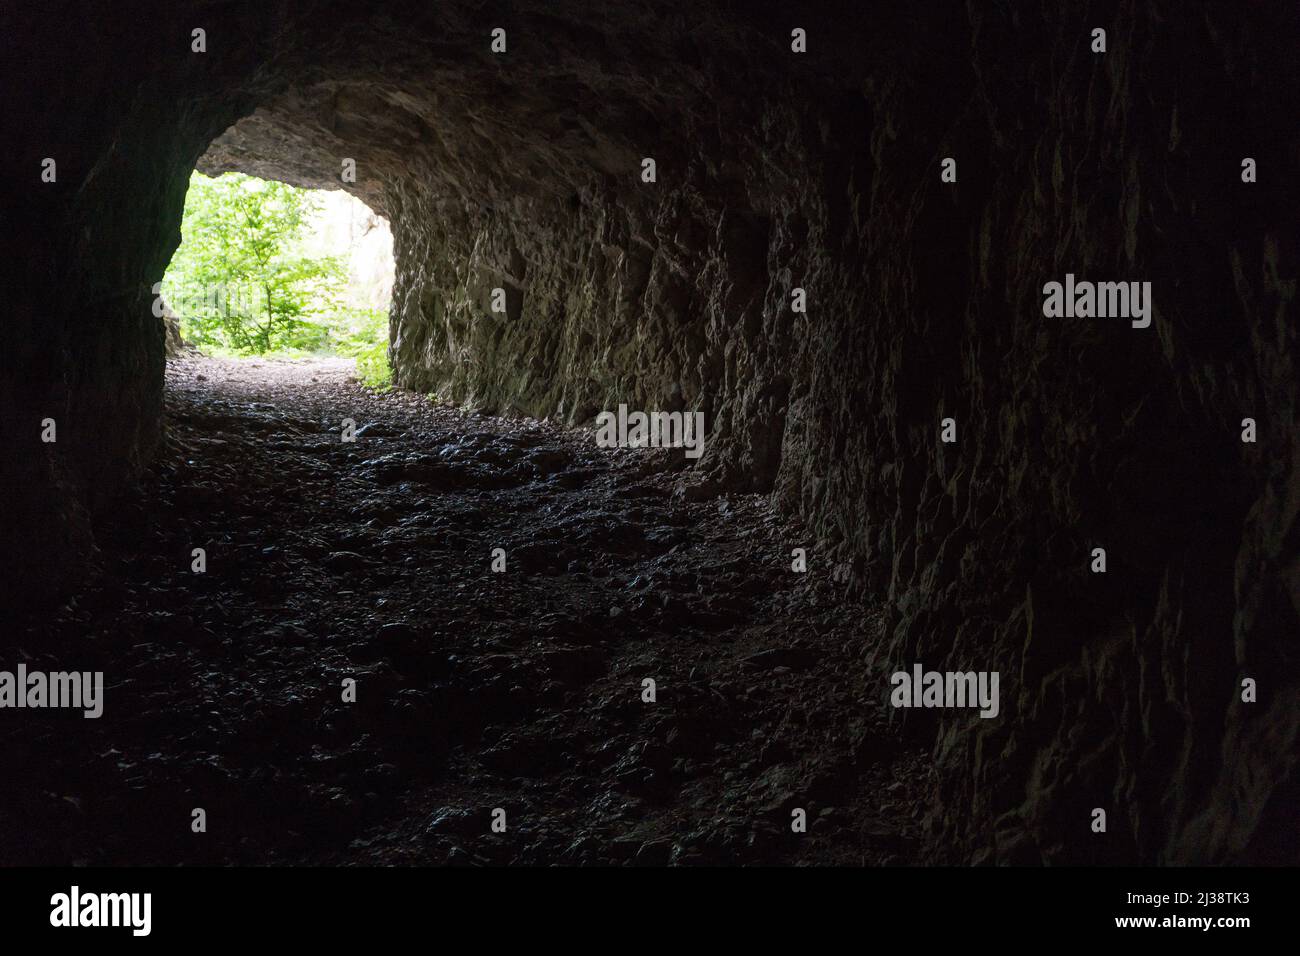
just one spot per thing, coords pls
(475, 690)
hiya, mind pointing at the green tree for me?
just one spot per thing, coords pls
(239, 279)
(363, 335)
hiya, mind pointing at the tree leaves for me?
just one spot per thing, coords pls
(240, 279)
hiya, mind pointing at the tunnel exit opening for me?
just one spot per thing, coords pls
(270, 270)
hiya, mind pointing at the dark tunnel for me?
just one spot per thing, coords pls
(838, 260)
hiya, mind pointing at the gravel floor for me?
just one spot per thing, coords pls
(330, 561)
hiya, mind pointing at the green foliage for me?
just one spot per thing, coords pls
(242, 283)
(364, 337)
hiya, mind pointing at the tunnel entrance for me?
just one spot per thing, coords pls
(442, 611)
(271, 270)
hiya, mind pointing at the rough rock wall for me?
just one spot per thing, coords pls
(1124, 688)
(1119, 690)
(926, 303)
(653, 304)
(81, 344)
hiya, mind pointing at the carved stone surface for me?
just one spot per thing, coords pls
(522, 171)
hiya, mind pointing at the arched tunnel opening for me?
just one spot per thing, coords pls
(798, 414)
(268, 269)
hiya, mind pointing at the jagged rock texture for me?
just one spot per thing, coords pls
(777, 171)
